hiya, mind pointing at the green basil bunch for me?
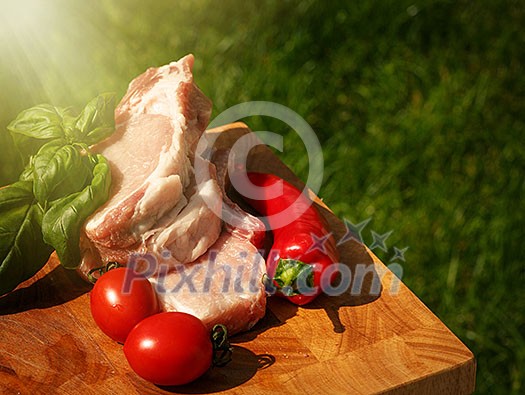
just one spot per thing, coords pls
(62, 184)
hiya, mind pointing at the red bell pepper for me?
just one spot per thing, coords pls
(302, 249)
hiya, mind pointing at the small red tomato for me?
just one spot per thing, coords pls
(120, 299)
(169, 348)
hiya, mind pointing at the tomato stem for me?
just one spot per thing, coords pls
(101, 270)
(222, 351)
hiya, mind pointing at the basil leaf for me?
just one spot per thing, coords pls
(40, 122)
(35, 126)
(60, 170)
(97, 120)
(63, 220)
(27, 173)
(22, 248)
(27, 146)
(60, 186)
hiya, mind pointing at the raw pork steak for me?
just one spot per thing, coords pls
(155, 204)
(225, 285)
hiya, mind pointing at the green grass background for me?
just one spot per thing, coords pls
(419, 108)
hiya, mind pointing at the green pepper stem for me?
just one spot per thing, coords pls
(288, 273)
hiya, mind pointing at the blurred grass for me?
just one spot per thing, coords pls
(419, 109)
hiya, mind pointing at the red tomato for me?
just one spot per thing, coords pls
(120, 299)
(169, 348)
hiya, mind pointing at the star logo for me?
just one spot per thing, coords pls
(399, 254)
(379, 240)
(353, 231)
(318, 243)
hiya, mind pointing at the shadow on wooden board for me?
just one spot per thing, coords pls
(240, 370)
(52, 286)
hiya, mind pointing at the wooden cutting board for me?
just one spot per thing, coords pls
(353, 343)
